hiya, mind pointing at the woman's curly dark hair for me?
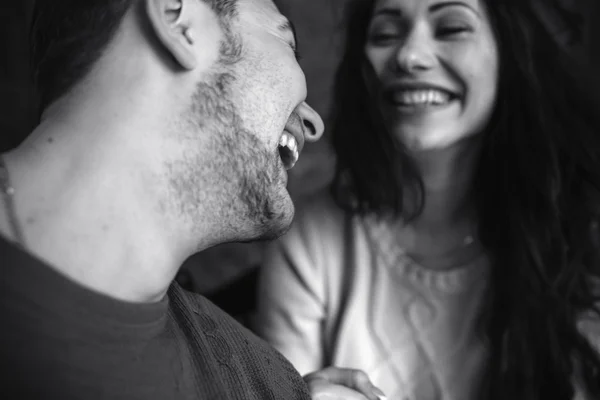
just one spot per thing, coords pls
(537, 192)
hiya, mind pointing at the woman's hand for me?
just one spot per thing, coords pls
(342, 384)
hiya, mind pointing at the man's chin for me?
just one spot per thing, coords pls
(269, 207)
(278, 220)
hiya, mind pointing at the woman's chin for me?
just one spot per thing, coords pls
(423, 140)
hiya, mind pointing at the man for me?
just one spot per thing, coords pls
(167, 128)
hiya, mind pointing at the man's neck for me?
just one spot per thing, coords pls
(85, 210)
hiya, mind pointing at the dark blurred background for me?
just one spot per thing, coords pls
(320, 35)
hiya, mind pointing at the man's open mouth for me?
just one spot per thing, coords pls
(288, 150)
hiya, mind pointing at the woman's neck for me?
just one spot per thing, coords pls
(447, 176)
(447, 222)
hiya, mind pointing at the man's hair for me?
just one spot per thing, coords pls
(68, 36)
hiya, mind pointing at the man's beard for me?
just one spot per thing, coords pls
(236, 179)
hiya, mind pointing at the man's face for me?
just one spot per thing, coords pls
(254, 108)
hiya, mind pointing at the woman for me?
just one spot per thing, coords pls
(458, 255)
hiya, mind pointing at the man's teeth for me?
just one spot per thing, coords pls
(289, 141)
(289, 146)
(418, 97)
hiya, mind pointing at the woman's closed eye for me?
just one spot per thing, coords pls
(453, 24)
(382, 37)
(384, 31)
(385, 35)
(451, 30)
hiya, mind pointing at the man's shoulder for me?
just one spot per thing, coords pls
(244, 353)
(22, 274)
(212, 320)
(12, 254)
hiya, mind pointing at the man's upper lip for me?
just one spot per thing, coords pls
(416, 85)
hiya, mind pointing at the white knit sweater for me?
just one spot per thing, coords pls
(337, 290)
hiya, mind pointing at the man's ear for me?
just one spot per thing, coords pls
(165, 17)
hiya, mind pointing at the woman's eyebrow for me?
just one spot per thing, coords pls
(443, 4)
(393, 12)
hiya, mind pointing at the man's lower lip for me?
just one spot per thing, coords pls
(285, 177)
(282, 164)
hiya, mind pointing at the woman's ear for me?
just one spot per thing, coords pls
(165, 18)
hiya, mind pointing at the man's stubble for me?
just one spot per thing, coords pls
(235, 183)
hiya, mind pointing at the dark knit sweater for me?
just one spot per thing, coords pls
(59, 340)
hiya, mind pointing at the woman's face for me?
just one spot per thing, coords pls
(435, 65)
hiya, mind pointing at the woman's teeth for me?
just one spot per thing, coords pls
(288, 150)
(420, 97)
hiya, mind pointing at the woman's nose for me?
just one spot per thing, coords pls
(415, 53)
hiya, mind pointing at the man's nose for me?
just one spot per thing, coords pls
(313, 124)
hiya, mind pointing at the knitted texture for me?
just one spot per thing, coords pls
(238, 358)
(60, 340)
(338, 290)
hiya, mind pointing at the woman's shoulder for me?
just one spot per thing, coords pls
(319, 225)
(318, 211)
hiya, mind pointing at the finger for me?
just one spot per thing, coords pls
(351, 378)
(321, 389)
